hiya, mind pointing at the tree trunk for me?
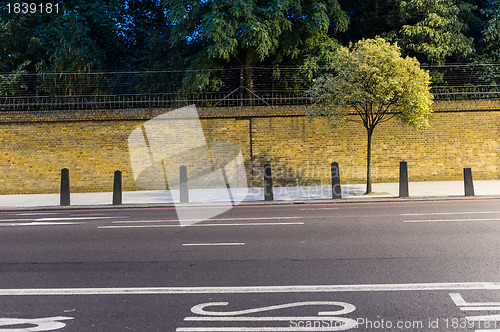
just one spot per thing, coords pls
(368, 160)
(374, 19)
(249, 75)
(249, 69)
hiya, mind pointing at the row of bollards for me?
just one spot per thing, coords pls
(268, 184)
(65, 195)
(404, 191)
(404, 188)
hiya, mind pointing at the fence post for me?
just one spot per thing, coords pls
(65, 192)
(403, 179)
(336, 188)
(183, 185)
(468, 183)
(268, 183)
(117, 188)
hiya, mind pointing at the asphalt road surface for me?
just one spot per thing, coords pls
(401, 266)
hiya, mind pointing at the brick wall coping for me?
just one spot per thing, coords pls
(215, 112)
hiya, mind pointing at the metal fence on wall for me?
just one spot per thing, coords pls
(268, 86)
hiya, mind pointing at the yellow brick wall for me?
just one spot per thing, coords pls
(307, 147)
(92, 146)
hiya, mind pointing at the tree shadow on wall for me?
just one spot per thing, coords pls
(282, 175)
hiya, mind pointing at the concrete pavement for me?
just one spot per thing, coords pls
(350, 193)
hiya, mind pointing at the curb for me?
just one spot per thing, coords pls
(360, 200)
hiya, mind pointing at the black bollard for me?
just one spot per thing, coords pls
(268, 183)
(336, 188)
(117, 188)
(183, 185)
(403, 179)
(65, 193)
(468, 183)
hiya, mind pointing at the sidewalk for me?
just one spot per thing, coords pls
(350, 193)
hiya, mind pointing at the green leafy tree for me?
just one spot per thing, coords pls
(83, 36)
(490, 34)
(489, 44)
(433, 30)
(17, 44)
(10, 84)
(377, 83)
(246, 33)
(368, 18)
(145, 31)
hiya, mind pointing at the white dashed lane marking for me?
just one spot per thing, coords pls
(215, 244)
(450, 220)
(206, 225)
(448, 213)
(200, 220)
(51, 221)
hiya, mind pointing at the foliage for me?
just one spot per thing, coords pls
(146, 32)
(490, 40)
(433, 29)
(247, 33)
(210, 36)
(378, 84)
(10, 84)
(368, 18)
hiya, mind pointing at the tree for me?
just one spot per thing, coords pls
(377, 83)
(368, 18)
(146, 31)
(83, 36)
(433, 30)
(17, 45)
(490, 39)
(10, 84)
(247, 33)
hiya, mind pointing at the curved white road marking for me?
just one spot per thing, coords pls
(200, 308)
(335, 323)
(41, 324)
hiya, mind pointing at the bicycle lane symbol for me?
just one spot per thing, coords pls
(40, 324)
(324, 321)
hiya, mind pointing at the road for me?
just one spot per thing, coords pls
(400, 266)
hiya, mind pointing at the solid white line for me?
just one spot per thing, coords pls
(198, 220)
(446, 213)
(480, 308)
(38, 213)
(208, 225)
(260, 318)
(314, 209)
(256, 329)
(270, 329)
(39, 224)
(489, 318)
(73, 218)
(460, 302)
(254, 289)
(215, 244)
(56, 219)
(444, 220)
